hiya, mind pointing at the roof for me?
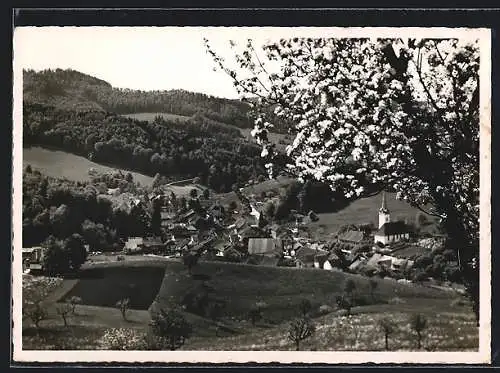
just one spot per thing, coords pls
(409, 251)
(166, 215)
(262, 245)
(352, 236)
(392, 228)
(133, 242)
(378, 258)
(31, 249)
(152, 242)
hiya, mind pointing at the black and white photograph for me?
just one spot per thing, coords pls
(235, 194)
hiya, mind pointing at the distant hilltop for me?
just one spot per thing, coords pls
(73, 90)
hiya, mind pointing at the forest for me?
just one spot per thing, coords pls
(67, 87)
(218, 155)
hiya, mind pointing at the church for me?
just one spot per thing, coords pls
(389, 231)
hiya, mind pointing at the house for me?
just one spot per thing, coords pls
(32, 257)
(134, 245)
(183, 218)
(388, 231)
(264, 246)
(321, 261)
(306, 256)
(379, 260)
(152, 244)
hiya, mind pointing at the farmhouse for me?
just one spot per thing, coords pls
(263, 246)
(32, 257)
(388, 231)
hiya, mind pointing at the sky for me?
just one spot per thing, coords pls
(148, 58)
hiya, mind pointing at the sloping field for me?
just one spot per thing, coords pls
(280, 288)
(149, 117)
(450, 328)
(364, 210)
(56, 163)
(104, 287)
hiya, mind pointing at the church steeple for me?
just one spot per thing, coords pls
(383, 207)
(383, 213)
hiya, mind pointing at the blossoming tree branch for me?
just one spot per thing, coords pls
(375, 114)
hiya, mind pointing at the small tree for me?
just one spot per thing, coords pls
(74, 301)
(37, 314)
(123, 305)
(300, 329)
(64, 310)
(193, 193)
(170, 329)
(349, 288)
(373, 287)
(344, 304)
(190, 260)
(256, 312)
(206, 193)
(418, 323)
(305, 307)
(387, 327)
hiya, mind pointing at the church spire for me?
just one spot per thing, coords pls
(383, 207)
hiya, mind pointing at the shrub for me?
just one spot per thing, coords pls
(344, 304)
(122, 339)
(123, 305)
(74, 301)
(37, 313)
(169, 330)
(305, 307)
(299, 330)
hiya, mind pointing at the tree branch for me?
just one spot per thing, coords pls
(428, 212)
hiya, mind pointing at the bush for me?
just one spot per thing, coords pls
(169, 330)
(123, 339)
(305, 307)
(458, 302)
(37, 313)
(123, 305)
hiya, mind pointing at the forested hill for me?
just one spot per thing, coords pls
(72, 90)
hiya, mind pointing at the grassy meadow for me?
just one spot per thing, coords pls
(451, 323)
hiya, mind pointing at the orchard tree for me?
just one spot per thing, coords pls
(375, 114)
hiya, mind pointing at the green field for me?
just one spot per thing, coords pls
(150, 117)
(60, 164)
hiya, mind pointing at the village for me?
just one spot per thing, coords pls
(209, 229)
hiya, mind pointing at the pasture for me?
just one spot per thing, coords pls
(241, 286)
(60, 164)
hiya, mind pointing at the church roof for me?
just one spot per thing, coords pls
(392, 228)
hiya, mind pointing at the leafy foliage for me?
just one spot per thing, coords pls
(170, 329)
(374, 114)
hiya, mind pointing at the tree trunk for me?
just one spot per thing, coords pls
(387, 342)
(297, 345)
(419, 340)
(65, 321)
